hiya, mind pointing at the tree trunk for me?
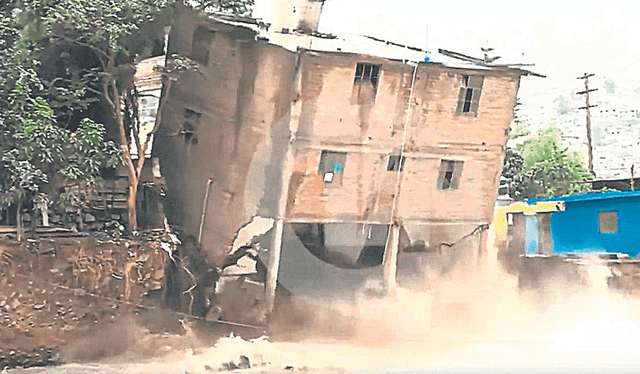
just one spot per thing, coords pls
(134, 170)
(19, 227)
(125, 148)
(115, 100)
(132, 216)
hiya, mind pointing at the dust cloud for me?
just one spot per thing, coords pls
(468, 320)
(473, 319)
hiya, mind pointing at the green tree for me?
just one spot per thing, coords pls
(541, 166)
(237, 7)
(111, 33)
(34, 150)
(519, 130)
(116, 34)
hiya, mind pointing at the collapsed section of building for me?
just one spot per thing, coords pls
(367, 158)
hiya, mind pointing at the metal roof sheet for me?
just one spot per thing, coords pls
(588, 196)
(367, 45)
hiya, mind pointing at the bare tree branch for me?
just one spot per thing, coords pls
(136, 128)
(105, 92)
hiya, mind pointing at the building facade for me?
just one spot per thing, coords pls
(359, 158)
(589, 223)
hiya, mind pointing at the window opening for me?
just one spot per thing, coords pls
(367, 72)
(469, 96)
(396, 162)
(608, 222)
(449, 175)
(202, 38)
(190, 125)
(331, 166)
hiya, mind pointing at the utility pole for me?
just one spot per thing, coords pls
(586, 95)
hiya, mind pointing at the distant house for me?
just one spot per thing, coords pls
(595, 222)
(357, 150)
(621, 184)
(149, 85)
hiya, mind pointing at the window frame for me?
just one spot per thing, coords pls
(332, 162)
(610, 227)
(449, 175)
(469, 95)
(395, 162)
(366, 71)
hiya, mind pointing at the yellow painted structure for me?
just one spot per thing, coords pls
(500, 216)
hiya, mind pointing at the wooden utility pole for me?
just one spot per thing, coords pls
(586, 95)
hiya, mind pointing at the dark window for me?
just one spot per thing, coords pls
(396, 162)
(367, 72)
(331, 167)
(608, 222)
(202, 38)
(449, 175)
(190, 126)
(469, 95)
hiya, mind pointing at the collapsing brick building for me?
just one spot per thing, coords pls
(357, 155)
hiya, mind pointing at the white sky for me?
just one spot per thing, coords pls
(564, 39)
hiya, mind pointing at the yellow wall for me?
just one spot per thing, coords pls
(500, 215)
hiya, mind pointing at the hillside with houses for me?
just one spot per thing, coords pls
(615, 120)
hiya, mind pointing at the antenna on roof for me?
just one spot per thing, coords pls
(426, 47)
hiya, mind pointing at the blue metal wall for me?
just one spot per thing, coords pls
(576, 229)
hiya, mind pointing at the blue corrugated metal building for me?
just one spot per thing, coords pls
(594, 222)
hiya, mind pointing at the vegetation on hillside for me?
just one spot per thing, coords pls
(541, 166)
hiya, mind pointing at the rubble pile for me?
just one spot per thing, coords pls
(625, 275)
(36, 357)
(56, 291)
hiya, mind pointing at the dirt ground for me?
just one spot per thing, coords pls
(62, 292)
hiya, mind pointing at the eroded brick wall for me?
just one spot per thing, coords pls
(228, 122)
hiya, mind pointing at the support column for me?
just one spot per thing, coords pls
(274, 265)
(492, 253)
(544, 233)
(285, 178)
(482, 257)
(390, 263)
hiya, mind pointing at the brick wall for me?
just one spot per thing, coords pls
(250, 96)
(332, 119)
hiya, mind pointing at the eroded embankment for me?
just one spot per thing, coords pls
(75, 295)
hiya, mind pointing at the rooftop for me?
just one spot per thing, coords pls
(589, 196)
(366, 45)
